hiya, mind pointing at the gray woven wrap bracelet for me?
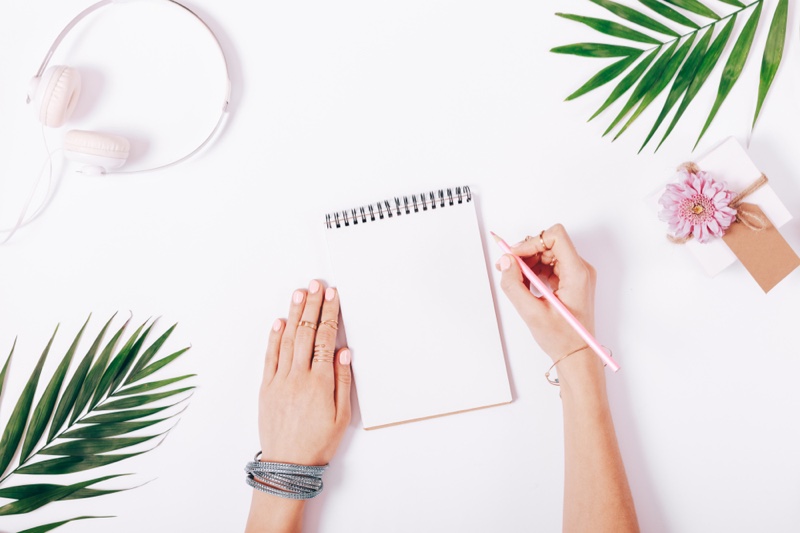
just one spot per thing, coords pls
(296, 482)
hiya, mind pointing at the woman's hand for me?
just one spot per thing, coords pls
(596, 492)
(572, 279)
(304, 404)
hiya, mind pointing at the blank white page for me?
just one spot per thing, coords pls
(418, 312)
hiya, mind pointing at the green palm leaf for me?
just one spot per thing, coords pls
(5, 369)
(641, 19)
(703, 72)
(680, 70)
(42, 498)
(149, 353)
(681, 85)
(100, 431)
(72, 464)
(68, 399)
(44, 410)
(19, 416)
(611, 28)
(773, 53)
(151, 386)
(158, 365)
(669, 13)
(597, 50)
(661, 83)
(25, 491)
(644, 85)
(98, 414)
(734, 66)
(51, 526)
(84, 447)
(627, 82)
(695, 6)
(604, 76)
(89, 385)
(117, 363)
(141, 399)
(124, 416)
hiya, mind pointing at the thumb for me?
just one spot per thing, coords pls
(344, 379)
(527, 305)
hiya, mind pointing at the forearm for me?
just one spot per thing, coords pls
(597, 497)
(272, 514)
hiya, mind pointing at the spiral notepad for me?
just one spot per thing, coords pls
(417, 307)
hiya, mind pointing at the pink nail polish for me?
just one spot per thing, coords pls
(505, 263)
(277, 325)
(344, 357)
(330, 293)
(298, 297)
(313, 287)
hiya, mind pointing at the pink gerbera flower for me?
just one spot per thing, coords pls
(697, 206)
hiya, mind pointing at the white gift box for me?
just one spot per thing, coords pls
(730, 164)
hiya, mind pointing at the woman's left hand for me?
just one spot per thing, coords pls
(304, 402)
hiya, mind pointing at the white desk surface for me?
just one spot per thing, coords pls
(338, 103)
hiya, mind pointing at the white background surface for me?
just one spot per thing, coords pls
(339, 103)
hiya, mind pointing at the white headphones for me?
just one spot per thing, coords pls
(54, 93)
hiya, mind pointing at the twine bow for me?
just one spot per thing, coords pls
(747, 216)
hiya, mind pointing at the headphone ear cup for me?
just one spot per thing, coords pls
(99, 151)
(56, 95)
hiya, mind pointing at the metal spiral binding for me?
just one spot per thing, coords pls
(402, 206)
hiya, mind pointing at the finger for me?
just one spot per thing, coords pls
(527, 305)
(307, 328)
(548, 258)
(553, 280)
(287, 339)
(563, 250)
(543, 272)
(531, 245)
(344, 379)
(273, 350)
(532, 260)
(325, 342)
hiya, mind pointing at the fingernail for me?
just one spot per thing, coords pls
(505, 263)
(344, 357)
(330, 292)
(313, 287)
(277, 325)
(298, 297)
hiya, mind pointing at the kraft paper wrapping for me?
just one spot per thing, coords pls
(764, 253)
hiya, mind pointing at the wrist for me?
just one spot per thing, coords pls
(273, 514)
(582, 370)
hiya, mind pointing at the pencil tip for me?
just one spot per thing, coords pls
(495, 237)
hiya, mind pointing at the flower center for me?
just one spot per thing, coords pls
(697, 208)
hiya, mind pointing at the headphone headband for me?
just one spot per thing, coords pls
(102, 3)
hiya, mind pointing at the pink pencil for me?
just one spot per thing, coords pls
(553, 299)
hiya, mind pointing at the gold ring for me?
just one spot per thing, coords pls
(330, 323)
(320, 350)
(322, 359)
(307, 324)
(541, 240)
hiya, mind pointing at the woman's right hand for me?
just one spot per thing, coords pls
(597, 496)
(552, 255)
